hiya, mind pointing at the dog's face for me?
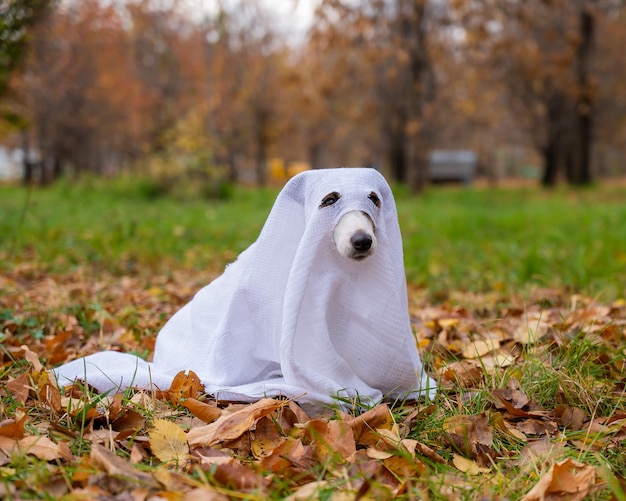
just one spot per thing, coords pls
(355, 232)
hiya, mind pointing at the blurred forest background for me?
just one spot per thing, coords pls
(228, 91)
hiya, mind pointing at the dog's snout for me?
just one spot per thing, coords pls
(361, 241)
(355, 235)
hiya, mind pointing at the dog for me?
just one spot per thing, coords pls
(355, 233)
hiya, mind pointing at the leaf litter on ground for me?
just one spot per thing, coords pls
(530, 405)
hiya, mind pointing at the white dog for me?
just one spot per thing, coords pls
(355, 233)
(316, 308)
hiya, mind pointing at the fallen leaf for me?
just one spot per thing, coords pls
(308, 491)
(466, 432)
(206, 412)
(567, 480)
(37, 445)
(204, 494)
(32, 358)
(266, 438)
(292, 456)
(168, 442)
(333, 439)
(478, 348)
(241, 421)
(499, 423)
(365, 425)
(468, 466)
(12, 428)
(238, 477)
(571, 418)
(185, 385)
(19, 387)
(119, 467)
(426, 451)
(467, 373)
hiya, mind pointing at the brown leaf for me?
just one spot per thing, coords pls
(266, 438)
(120, 468)
(290, 457)
(514, 401)
(209, 456)
(43, 448)
(204, 494)
(185, 385)
(364, 426)
(32, 358)
(467, 373)
(571, 418)
(426, 451)
(404, 467)
(129, 421)
(238, 477)
(19, 387)
(567, 480)
(206, 412)
(241, 421)
(334, 439)
(12, 428)
(509, 430)
(516, 398)
(466, 432)
(47, 391)
(537, 427)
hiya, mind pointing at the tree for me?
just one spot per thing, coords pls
(17, 17)
(544, 52)
(389, 39)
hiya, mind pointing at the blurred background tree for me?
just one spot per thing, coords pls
(534, 87)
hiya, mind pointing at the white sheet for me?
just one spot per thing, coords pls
(291, 316)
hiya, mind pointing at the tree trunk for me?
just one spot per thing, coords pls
(421, 91)
(579, 170)
(397, 155)
(550, 164)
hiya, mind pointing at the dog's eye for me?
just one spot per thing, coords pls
(374, 198)
(330, 199)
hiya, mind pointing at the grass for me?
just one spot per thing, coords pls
(454, 238)
(458, 241)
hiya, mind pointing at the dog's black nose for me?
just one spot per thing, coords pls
(361, 241)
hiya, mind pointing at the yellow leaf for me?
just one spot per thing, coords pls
(468, 466)
(479, 348)
(168, 441)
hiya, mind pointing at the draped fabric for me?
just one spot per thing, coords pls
(292, 316)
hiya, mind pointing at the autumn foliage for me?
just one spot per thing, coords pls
(530, 405)
(216, 94)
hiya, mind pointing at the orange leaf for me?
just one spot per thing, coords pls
(567, 479)
(241, 421)
(208, 413)
(364, 426)
(185, 385)
(13, 429)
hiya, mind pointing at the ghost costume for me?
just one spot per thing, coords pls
(291, 316)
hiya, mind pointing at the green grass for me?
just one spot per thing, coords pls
(454, 238)
(509, 239)
(505, 240)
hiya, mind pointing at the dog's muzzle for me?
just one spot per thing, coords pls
(355, 235)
